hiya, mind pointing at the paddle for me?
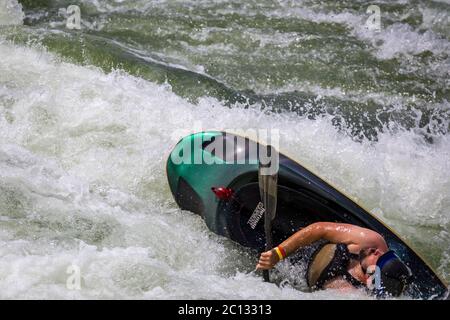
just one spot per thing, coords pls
(268, 191)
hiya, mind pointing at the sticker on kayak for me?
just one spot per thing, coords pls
(256, 216)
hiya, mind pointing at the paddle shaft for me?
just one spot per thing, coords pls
(268, 192)
(269, 244)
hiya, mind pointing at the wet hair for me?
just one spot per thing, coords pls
(364, 253)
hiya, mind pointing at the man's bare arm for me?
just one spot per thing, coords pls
(355, 237)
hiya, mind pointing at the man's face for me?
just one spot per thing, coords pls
(369, 257)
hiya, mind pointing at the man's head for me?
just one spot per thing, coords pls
(393, 275)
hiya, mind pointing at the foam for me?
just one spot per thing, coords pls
(10, 13)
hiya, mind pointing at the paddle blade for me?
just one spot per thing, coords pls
(268, 192)
(268, 186)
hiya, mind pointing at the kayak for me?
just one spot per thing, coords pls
(215, 175)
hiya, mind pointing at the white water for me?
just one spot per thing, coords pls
(10, 13)
(82, 177)
(82, 181)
